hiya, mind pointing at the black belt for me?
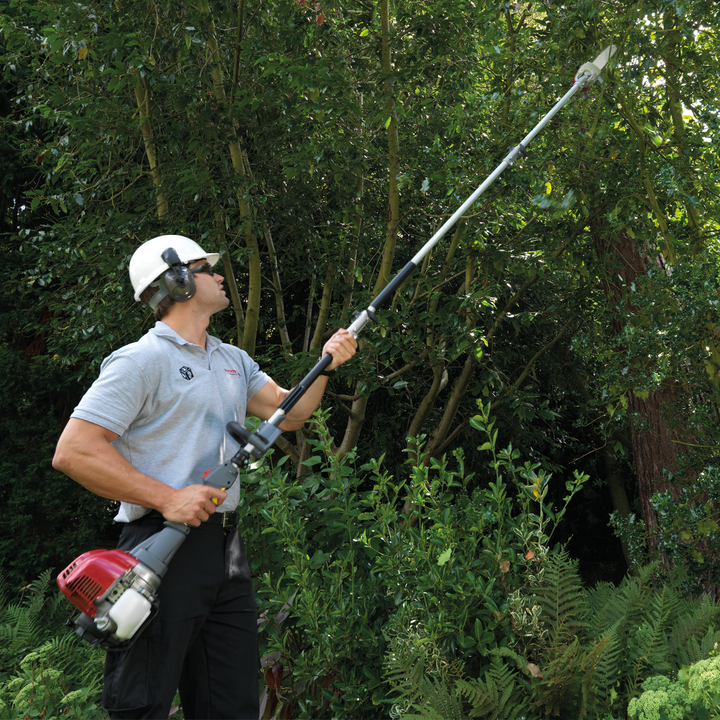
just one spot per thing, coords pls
(224, 519)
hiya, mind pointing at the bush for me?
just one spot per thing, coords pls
(661, 699)
(702, 680)
(687, 534)
(694, 696)
(341, 568)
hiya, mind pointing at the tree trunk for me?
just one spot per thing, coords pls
(278, 291)
(241, 165)
(655, 449)
(359, 406)
(142, 96)
(655, 439)
(324, 313)
(229, 275)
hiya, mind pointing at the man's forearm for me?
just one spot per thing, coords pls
(89, 459)
(85, 454)
(298, 415)
(342, 346)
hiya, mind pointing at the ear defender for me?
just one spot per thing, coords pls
(177, 282)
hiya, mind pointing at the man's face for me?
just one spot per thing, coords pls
(209, 291)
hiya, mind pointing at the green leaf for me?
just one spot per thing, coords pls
(707, 526)
(444, 557)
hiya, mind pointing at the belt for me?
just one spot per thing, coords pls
(224, 519)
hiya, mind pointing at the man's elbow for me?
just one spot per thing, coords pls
(61, 460)
(64, 457)
(290, 425)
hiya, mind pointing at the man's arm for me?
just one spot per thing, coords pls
(85, 454)
(342, 346)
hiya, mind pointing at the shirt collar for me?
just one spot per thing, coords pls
(163, 330)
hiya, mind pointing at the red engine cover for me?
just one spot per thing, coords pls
(90, 575)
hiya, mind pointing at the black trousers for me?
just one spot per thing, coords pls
(203, 642)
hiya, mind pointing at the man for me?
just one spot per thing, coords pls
(144, 434)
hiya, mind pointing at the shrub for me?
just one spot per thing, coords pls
(702, 680)
(695, 695)
(341, 569)
(661, 699)
(592, 652)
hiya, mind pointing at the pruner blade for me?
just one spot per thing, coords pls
(589, 72)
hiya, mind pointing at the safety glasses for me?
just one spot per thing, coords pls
(204, 268)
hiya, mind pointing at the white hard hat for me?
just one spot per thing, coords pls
(147, 264)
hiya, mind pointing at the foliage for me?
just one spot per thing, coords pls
(44, 670)
(590, 654)
(702, 680)
(48, 519)
(573, 295)
(688, 534)
(695, 694)
(263, 130)
(661, 699)
(343, 569)
(422, 675)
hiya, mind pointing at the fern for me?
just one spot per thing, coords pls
(628, 602)
(405, 672)
(558, 684)
(694, 636)
(498, 696)
(608, 668)
(518, 659)
(25, 621)
(35, 603)
(38, 674)
(695, 650)
(601, 666)
(599, 647)
(562, 600)
(80, 665)
(19, 630)
(414, 688)
(649, 643)
(439, 703)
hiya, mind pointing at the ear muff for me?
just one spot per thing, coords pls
(177, 282)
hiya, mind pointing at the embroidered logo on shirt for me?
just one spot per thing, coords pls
(186, 372)
(232, 372)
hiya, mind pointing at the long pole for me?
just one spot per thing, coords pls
(255, 444)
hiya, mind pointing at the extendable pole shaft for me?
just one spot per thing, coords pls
(391, 288)
(257, 443)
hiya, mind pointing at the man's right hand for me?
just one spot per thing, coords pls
(192, 505)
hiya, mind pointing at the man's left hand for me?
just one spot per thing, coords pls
(342, 346)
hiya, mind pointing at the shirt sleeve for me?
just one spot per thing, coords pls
(256, 378)
(117, 397)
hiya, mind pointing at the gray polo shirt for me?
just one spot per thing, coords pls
(169, 400)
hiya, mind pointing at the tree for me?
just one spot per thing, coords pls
(320, 146)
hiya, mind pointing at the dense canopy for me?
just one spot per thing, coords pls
(318, 146)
